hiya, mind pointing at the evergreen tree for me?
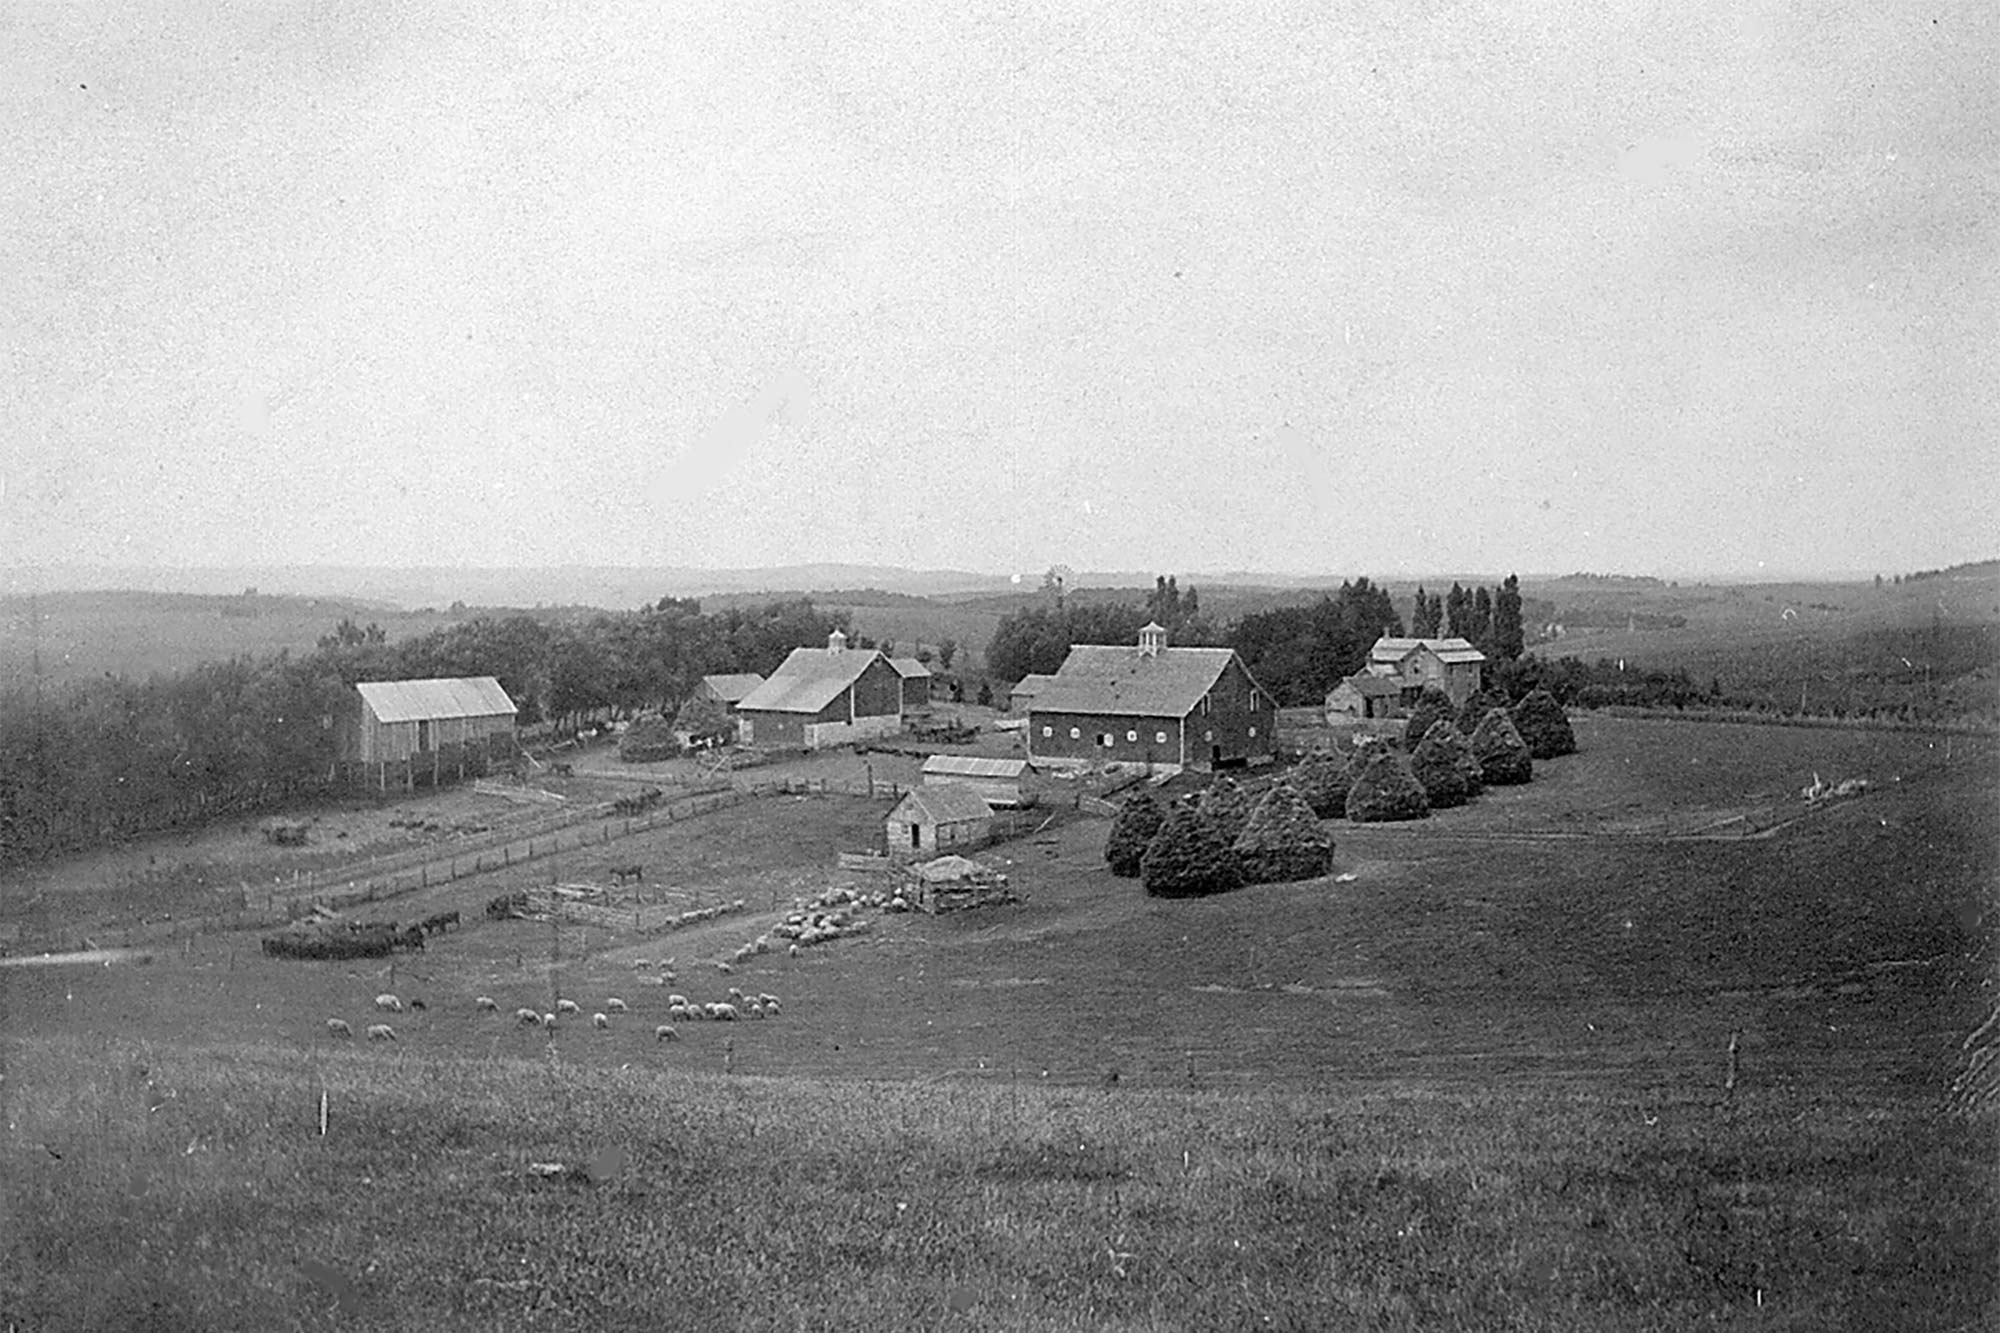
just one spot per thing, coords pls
(985, 694)
(1432, 705)
(1509, 636)
(1283, 840)
(1385, 790)
(1544, 725)
(1139, 819)
(1420, 616)
(1482, 621)
(1435, 616)
(1185, 859)
(1503, 756)
(1458, 613)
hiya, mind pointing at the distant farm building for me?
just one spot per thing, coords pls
(937, 819)
(401, 732)
(823, 696)
(997, 780)
(1363, 695)
(916, 683)
(1453, 665)
(1025, 690)
(1163, 707)
(728, 690)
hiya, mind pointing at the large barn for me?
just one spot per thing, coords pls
(823, 696)
(1164, 707)
(401, 732)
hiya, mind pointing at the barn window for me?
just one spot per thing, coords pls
(1160, 737)
(1048, 731)
(1076, 733)
(1131, 735)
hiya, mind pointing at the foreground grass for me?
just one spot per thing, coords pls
(167, 1187)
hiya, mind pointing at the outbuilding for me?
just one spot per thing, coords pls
(729, 688)
(400, 732)
(916, 683)
(996, 779)
(1025, 690)
(937, 819)
(823, 696)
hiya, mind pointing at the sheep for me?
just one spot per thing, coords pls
(772, 1007)
(485, 1004)
(615, 1005)
(793, 951)
(762, 944)
(665, 1032)
(337, 1027)
(678, 1011)
(641, 964)
(381, 1032)
(726, 1012)
(723, 967)
(766, 1000)
(527, 1016)
(600, 1021)
(678, 999)
(756, 1010)
(568, 1007)
(548, 1020)
(389, 1004)
(734, 993)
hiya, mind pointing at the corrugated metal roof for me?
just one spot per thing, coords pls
(909, 667)
(421, 700)
(941, 805)
(1126, 681)
(732, 687)
(974, 766)
(808, 680)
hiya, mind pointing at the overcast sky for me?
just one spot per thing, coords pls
(1678, 288)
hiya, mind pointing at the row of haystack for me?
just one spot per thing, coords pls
(1446, 766)
(1218, 840)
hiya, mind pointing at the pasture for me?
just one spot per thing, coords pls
(1477, 1078)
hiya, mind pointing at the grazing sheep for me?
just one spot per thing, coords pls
(485, 1004)
(526, 1016)
(665, 1032)
(794, 951)
(641, 964)
(762, 944)
(726, 1012)
(723, 967)
(337, 1027)
(600, 1022)
(678, 999)
(734, 993)
(766, 1000)
(615, 1005)
(389, 1003)
(381, 1032)
(568, 1007)
(548, 1020)
(677, 1011)
(756, 1010)
(772, 1007)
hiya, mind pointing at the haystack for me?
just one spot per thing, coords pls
(647, 741)
(1283, 840)
(1445, 765)
(1187, 860)
(1133, 828)
(1432, 705)
(1544, 725)
(1322, 780)
(1475, 708)
(1226, 808)
(1386, 791)
(1503, 756)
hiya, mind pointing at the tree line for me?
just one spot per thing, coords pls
(86, 763)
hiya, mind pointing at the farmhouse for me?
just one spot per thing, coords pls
(933, 819)
(1364, 695)
(916, 683)
(403, 731)
(728, 690)
(1453, 665)
(1025, 690)
(998, 780)
(1154, 705)
(823, 696)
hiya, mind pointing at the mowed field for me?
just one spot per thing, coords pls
(1475, 1079)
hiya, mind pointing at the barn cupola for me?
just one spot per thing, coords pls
(1152, 638)
(836, 644)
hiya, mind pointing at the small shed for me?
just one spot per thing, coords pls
(400, 730)
(935, 819)
(1364, 695)
(998, 780)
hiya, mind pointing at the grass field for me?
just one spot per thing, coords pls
(1474, 1080)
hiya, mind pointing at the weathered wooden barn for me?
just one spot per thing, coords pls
(729, 689)
(916, 683)
(1453, 665)
(1025, 690)
(402, 732)
(823, 696)
(935, 819)
(1364, 695)
(1164, 707)
(998, 780)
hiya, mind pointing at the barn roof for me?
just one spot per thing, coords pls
(1389, 649)
(909, 667)
(941, 805)
(1031, 684)
(1371, 686)
(731, 687)
(973, 766)
(424, 700)
(1099, 678)
(808, 680)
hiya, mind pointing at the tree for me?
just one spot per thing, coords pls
(1544, 725)
(1282, 840)
(1482, 621)
(1185, 859)
(1385, 790)
(1432, 705)
(985, 693)
(1132, 831)
(1423, 616)
(1299, 653)
(947, 649)
(1508, 635)
(1445, 766)
(1458, 613)
(1503, 756)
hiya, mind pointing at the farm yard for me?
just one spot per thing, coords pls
(1645, 1043)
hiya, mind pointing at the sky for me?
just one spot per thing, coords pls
(1687, 288)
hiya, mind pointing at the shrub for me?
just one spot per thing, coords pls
(1543, 725)
(1186, 859)
(1503, 756)
(1432, 706)
(1226, 808)
(1283, 840)
(1445, 765)
(1385, 790)
(647, 741)
(1322, 780)
(1138, 820)
(1475, 708)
